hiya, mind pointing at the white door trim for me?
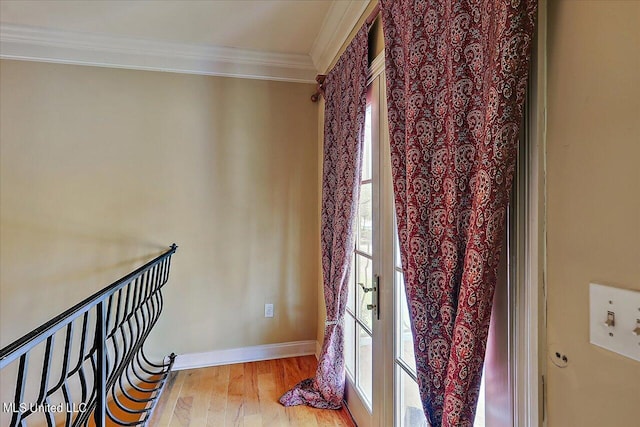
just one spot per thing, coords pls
(530, 330)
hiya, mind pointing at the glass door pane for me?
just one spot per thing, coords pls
(408, 407)
(349, 341)
(364, 226)
(365, 365)
(364, 291)
(410, 412)
(404, 336)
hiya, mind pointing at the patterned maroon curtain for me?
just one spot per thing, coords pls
(456, 74)
(345, 104)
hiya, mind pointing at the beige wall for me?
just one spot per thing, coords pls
(102, 168)
(593, 165)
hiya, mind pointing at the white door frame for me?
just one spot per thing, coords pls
(531, 256)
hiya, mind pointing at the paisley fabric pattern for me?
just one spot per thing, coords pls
(456, 73)
(345, 103)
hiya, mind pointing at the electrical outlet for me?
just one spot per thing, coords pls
(268, 310)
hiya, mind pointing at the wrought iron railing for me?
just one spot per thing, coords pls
(100, 374)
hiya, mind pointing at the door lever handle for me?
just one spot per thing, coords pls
(376, 296)
(376, 286)
(365, 289)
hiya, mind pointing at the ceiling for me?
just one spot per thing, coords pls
(271, 39)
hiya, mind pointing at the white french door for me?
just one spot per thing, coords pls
(382, 387)
(363, 329)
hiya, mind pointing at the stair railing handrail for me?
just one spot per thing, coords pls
(22, 345)
(145, 304)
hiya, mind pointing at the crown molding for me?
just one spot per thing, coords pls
(340, 20)
(67, 47)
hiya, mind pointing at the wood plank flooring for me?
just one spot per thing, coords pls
(243, 395)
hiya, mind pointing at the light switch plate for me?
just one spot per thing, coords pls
(622, 308)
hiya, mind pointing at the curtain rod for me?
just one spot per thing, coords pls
(373, 15)
(320, 77)
(319, 89)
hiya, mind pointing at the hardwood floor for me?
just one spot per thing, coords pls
(244, 394)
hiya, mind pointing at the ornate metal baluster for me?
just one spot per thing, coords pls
(19, 396)
(42, 399)
(101, 366)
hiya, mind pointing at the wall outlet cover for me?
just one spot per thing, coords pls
(268, 310)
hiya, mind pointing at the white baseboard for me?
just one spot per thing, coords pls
(318, 349)
(245, 354)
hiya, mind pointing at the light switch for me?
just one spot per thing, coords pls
(611, 319)
(615, 319)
